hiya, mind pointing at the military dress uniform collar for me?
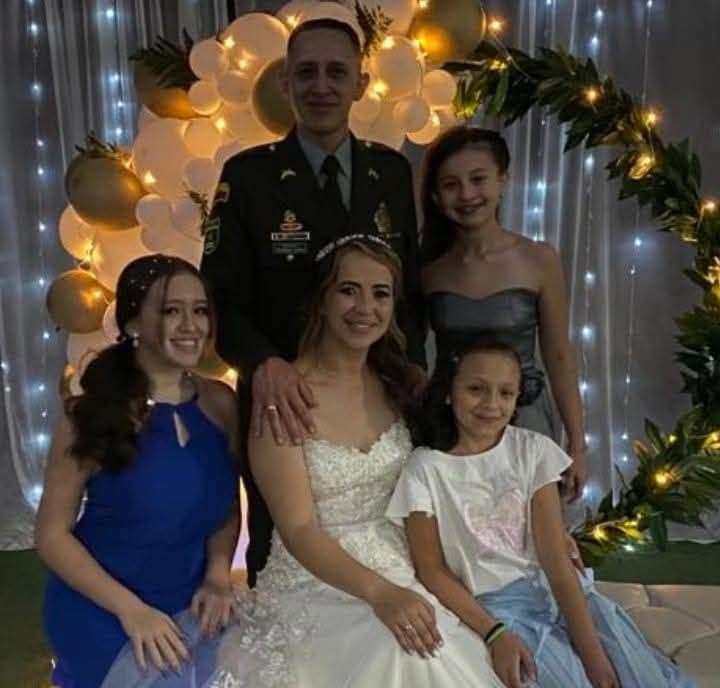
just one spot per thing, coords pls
(316, 155)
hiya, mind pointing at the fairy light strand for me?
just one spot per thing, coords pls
(625, 453)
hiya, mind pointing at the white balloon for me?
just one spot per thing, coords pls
(439, 88)
(157, 238)
(333, 10)
(383, 129)
(187, 248)
(113, 251)
(153, 211)
(447, 118)
(75, 386)
(227, 151)
(367, 108)
(235, 87)
(257, 37)
(186, 216)
(244, 127)
(109, 322)
(429, 132)
(291, 12)
(412, 114)
(201, 174)
(82, 348)
(399, 66)
(204, 97)
(145, 117)
(202, 138)
(75, 235)
(208, 59)
(160, 155)
(400, 11)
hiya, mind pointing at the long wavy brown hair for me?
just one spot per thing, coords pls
(386, 357)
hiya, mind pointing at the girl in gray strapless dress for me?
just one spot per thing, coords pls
(480, 278)
(512, 317)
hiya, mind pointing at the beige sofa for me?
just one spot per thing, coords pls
(681, 620)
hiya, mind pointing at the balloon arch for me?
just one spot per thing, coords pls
(203, 103)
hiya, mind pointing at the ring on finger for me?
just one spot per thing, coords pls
(271, 408)
(409, 628)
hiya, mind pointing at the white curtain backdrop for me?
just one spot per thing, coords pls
(624, 276)
(65, 72)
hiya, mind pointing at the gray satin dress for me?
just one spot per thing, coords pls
(510, 315)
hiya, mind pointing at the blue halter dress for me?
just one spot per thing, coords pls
(148, 527)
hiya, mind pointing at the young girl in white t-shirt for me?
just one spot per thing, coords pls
(482, 514)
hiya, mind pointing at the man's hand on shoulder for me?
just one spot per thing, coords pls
(282, 398)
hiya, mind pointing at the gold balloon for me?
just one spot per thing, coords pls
(270, 104)
(448, 29)
(164, 102)
(76, 301)
(103, 192)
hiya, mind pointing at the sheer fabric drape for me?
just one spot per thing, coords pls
(624, 276)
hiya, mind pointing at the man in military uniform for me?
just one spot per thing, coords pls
(275, 207)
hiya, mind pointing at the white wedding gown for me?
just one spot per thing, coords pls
(296, 631)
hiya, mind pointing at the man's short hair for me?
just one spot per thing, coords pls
(326, 23)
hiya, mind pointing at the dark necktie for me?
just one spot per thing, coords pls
(335, 209)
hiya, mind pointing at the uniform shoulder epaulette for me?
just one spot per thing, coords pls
(381, 148)
(263, 151)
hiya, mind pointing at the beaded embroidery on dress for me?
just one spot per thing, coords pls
(296, 631)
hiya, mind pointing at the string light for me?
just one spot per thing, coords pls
(663, 478)
(496, 25)
(651, 118)
(591, 95)
(709, 206)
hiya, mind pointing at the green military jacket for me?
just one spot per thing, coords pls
(266, 226)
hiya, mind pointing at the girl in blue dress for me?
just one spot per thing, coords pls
(482, 514)
(151, 447)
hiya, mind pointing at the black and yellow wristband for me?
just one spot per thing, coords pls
(494, 633)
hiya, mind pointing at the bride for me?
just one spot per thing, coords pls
(338, 603)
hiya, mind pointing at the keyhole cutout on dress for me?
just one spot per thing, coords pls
(181, 431)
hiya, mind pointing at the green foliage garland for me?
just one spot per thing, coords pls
(678, 474)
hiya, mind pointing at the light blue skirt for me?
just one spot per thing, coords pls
(528, 608)
(125, 672)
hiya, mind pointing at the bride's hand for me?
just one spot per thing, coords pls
(410, 618)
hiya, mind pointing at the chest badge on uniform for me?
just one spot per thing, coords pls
(382, 220)
(290, 222)
(373, 174)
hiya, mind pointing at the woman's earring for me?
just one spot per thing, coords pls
(135, 339)
(448, 401)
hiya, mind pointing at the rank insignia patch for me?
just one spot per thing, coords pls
(222, 194)
(382, 220)
(211, 232)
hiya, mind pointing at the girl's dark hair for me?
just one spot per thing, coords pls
(436, 427)
(438, 232)
(106, 417)
(386, 357)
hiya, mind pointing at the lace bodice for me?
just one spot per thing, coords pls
(351, 489)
